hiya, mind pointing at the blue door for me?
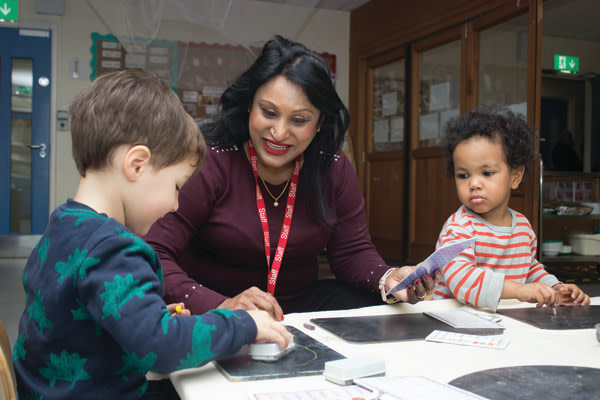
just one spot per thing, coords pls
(25, 67)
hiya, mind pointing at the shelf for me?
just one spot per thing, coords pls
(555, 226)
(571, 174)
(574, 258)
(556, 216)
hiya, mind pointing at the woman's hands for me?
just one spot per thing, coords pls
(268, 330)
(254, 299)
(265, 311)
(419, 288)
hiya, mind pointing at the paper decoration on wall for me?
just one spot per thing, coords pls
(160, 57)
(197, 72)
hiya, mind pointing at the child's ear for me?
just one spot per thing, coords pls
(517, 176)
(136, 160)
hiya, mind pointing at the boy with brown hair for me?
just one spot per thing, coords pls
(95, 322)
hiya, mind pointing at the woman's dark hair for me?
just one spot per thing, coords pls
(498, 125)
(282, 57)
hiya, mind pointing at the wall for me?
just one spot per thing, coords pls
(324, 31)
(587, 51)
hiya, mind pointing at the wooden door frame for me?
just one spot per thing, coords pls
(417, 250)
(370, 65)
(391, 243)
(426, 20)
(534, 78)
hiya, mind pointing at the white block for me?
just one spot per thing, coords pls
(344, 371)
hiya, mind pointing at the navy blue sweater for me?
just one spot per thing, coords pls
(95, 321)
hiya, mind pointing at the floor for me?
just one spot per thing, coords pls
(14, 251)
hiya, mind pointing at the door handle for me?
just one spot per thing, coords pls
(41, 147)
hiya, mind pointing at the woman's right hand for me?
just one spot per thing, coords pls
(253, 299)
(269, 330)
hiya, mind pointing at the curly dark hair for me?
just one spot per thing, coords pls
(499, 125)
(305, 68)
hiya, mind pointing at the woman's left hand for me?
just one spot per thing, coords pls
(419, 288)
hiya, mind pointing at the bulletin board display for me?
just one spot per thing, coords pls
(197, 72)
(206, 70)
(159, 57)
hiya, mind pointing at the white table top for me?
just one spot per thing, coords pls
(442, 362)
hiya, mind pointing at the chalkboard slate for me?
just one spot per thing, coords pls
(546, 382)
(390, 328)
(308, 358)
(567, 317)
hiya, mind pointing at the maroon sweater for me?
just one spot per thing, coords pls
(212, 247)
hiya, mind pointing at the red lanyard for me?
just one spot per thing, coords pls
(287, 220)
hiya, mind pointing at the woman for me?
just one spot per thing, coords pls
(275, 191)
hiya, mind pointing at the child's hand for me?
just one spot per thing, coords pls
(178, 308)
(269, 330)
(539, 293)
(570, 293)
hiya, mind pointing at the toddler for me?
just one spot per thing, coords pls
(487, 152)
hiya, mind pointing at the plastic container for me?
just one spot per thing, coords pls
(586, 244)
(566, 250)
(551, 248)
(595, 207)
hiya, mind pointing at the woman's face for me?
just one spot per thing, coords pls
(283, 123)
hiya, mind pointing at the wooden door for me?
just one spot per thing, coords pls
(435, 97)
(385, 144)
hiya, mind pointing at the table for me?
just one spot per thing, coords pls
(442, 362)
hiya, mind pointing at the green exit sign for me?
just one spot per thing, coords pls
(9, 9)
(566, 63)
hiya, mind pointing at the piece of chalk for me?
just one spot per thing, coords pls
(178, 309)
(309, 326)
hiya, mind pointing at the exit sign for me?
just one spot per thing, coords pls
(566, 63)
(9, 9)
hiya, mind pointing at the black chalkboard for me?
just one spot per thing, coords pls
(307, 358)
(567, 317)
(548, 382)
(390, 328)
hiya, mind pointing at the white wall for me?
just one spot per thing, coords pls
(324, 31)
(587, 51)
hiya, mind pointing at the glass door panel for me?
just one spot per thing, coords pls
(386, 147)
(503, 65)
(20, 169)
(439, 92)
(506, 78)
(25, 86)
(388, 107)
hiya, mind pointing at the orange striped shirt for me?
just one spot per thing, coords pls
(477, 275)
